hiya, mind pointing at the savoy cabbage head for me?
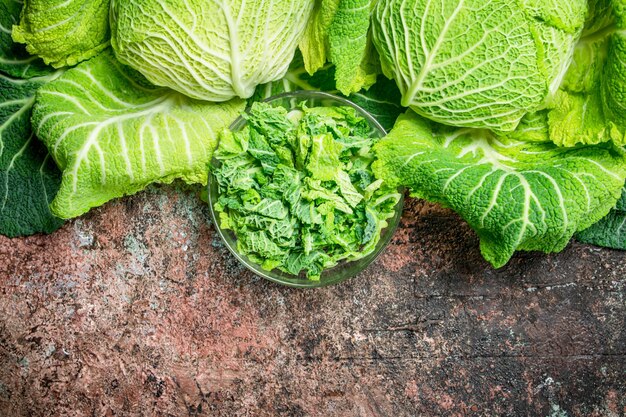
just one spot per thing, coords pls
(209, 49)
(477, 63)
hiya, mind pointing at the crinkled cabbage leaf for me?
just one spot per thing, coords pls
(590, 106)
(314, 43)
(112, 133)
(210, 50)
(64, 33)
(15, 61)
(517, 195)
(338, 32)
(29, 179)
(606, 31)
(609, 232)
(614, 80)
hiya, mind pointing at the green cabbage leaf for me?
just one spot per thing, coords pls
(29, 179)
(517, 195)
(64, 33)
(609, 232)
(314, 43)
(338, 32)
(350, 48)
(589, 107)
(614, 80)
(112, 133)
(15, 61)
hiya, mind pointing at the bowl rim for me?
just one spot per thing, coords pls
(298, 282)
(313, 94)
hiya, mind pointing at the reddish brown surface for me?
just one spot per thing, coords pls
(138, 309)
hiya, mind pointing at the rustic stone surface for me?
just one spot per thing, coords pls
(138, 309)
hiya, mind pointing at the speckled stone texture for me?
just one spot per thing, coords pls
(137, 309)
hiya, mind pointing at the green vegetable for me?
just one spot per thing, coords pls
(338, 32)
(350, 48)
(112, 133)
(537, 65)
(29, 179)
(210, 50)
(476, 63)
(521, 126)
(298, 191)
(614, 81)
(14, 60)
(64, 33)
(609, 232)
(587, 108)
(382, 100)
(314, 42)
(517, 195)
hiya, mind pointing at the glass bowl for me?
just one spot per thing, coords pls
(344, 269)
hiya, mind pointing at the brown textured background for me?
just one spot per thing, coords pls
(138, 309)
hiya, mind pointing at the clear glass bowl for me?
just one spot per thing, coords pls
(344, 269)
